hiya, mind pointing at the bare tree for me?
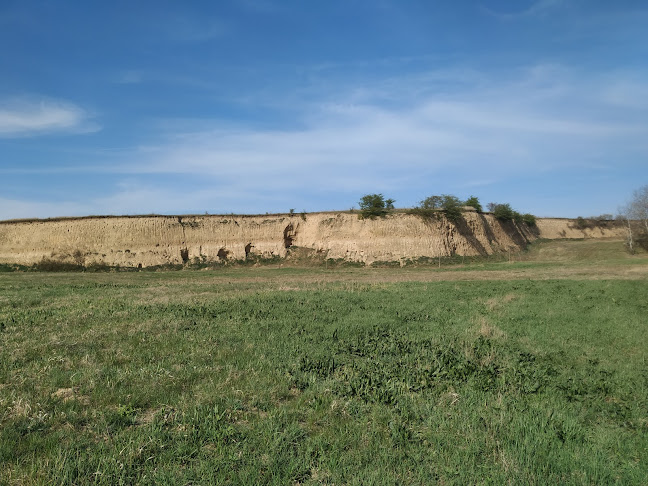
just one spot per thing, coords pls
(638, 206)
(635, 210)
(623, 216)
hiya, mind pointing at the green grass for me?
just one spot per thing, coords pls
(269, 376)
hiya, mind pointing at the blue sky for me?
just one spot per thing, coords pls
(254, 106)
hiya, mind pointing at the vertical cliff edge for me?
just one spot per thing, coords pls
(135, 241)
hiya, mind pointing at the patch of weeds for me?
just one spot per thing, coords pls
(6, 268)
(386, 264)
(255, 259)
(530, 373)
(157, 268)
(98, 267)
(50, 265)
(342, 263)
(383, 366)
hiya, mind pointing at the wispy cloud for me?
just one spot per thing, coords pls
(538, 8)
(28, 117)
(469, 129)
(519, 119)
(129, 77)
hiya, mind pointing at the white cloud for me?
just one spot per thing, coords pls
(539, 119)
(27, 117)
(471, 131)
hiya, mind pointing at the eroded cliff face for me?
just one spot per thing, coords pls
(158, 240)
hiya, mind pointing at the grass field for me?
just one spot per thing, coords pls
(532, 371)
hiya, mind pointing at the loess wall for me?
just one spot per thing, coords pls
(158, 240)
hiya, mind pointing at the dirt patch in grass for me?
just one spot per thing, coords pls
(147, 417)
(495, 303)
(488, 330)
(209, 286)
(70, 394)
(507, 272)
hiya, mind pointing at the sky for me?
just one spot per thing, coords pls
(255, 106)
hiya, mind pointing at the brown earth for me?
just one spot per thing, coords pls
(158, 240)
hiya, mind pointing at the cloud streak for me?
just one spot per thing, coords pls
(28, 117)
(539, 8)
(514, 121)
(468, 129)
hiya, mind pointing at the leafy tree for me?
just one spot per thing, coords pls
(432, 202)
(529, 219)
(503, 212)
(452, 207)
(372, 205)
(472, 201)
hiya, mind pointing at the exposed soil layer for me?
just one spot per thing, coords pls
(158, 240)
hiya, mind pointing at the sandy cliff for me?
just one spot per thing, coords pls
(157, 240)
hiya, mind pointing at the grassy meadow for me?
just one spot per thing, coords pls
(533, 371)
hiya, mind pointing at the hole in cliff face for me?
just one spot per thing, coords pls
(139, 265)
(289, 236)
(184, 254)
(223, 254)
(248, 250)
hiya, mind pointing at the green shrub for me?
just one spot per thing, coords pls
(529, 219)
(98, 267)
(49, 265)
(419, 211)
(581, 222)
(432, 202)
(472, 201)
(452, 207)
(504, 212)
(372, 205)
